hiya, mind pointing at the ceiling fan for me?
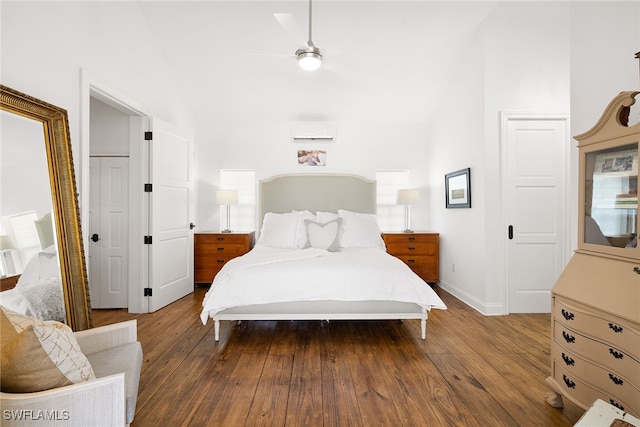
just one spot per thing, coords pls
(309, 57)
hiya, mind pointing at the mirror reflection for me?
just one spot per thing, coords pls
(29, 263)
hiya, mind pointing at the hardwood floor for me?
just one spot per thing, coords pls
(471, 370)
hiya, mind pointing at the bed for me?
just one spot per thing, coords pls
(319, 256)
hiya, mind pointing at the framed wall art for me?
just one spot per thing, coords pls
(312, 157)
(457, 187)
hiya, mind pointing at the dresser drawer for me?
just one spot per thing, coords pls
(618, 334)
(410, 238)
(610, 381)
(615, 359)
(412, 248)
(584, 393)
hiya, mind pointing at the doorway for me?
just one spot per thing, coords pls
(535, 152)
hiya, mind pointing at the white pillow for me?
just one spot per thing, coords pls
(301, 233)
(323, 235)
(360, 230)
(279, 230)
(326, 216)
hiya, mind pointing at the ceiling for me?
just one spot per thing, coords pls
(386, 60)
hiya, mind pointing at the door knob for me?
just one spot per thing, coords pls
(95, 238)
(192, 225)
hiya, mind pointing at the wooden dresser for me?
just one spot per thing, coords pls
(595, 329)
(419, 250)
(212, 250)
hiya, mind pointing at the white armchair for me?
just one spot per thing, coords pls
(109, 400)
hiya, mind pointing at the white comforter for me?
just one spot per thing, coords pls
(269, 275)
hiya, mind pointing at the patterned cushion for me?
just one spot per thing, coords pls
(39, 355)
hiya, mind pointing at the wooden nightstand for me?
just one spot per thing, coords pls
(419, 250)
(212, 250)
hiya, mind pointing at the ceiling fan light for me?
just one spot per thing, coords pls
(309, 60)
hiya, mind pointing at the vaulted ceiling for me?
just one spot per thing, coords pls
(382, 59)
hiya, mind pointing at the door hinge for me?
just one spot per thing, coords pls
(148, 136)
(148, 188)
(148, 292)
(147, 240)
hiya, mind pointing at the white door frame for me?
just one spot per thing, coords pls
(93, 86)
(505, 118)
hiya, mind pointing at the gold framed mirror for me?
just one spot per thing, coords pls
(64, 195)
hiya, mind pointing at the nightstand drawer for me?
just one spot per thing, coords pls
(412, 248)
(410, 238)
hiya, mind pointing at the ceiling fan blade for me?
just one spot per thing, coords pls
(291, 27)
(342, 70)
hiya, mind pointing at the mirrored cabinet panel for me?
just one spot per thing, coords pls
(611, 197)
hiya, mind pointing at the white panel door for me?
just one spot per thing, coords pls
(535, 204)
(109, 229)
(171, 207)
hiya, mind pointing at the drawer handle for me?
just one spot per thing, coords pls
(411, 239)
(568, 338)
(220, 239)
(568, 382)
(616, 380)
(616, 354)
(220, 261)
(220, 249)
(616, 404)
(411, 248)
(567, 315)
(569, 361)
(615, 328)
(411, 261)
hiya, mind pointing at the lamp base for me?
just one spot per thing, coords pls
(408, 231)
(227, 231)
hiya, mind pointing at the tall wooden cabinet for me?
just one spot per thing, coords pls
(595, 339)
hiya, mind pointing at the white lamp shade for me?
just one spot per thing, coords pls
(6, 242)
(408, 197)
(227, 197)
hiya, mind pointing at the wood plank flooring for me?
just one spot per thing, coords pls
(471, 370)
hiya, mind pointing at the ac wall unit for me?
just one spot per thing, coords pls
(313, 131)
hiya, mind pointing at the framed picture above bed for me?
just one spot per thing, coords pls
(312, 157)
(457, 187)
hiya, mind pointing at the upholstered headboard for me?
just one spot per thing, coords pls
(317, 192)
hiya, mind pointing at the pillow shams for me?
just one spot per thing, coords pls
(279, 230)
(360, 230)
(323, 235)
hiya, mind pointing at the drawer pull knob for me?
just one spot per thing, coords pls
(411, 261)
(616, 380)
(220, 249)
(615, 328)
(411, 248)
(220, 261)
(616, 354)
(567, 315)
(411, 239)
(569, 361)
(616, 404)
(220, 239)
(568, 382)
(568, 338)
